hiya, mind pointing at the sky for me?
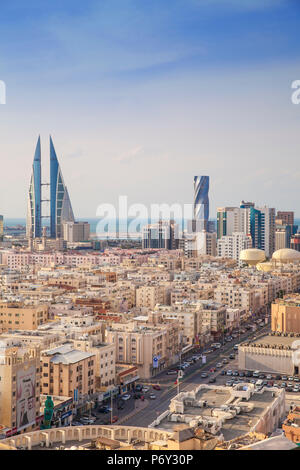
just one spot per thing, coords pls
(141, 95)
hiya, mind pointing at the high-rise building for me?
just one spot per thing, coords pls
(231, 220)
(286, 216)
(76, 231)
(163, 234)
(295, 242)
(1, 227)
(34, 207)
(60, 204)
(201, 201)
(230, 246)
(262, 229)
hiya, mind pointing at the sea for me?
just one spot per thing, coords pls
(98, 225)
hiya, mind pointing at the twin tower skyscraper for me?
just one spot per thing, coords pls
(60, 204)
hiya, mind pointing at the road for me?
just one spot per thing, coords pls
(191, 379)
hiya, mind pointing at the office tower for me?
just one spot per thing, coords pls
(1, 227)
(232, 219)
(286, 216)
(60, 204)
(34, 207)
(201, 201)
(282, 238)
(163, 234)
(262, 229)
(230, 246)
(76, 231)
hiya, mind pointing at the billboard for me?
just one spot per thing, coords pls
(26, 400)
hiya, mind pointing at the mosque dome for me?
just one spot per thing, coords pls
(252, 256)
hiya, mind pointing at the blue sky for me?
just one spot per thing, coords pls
(142, 95)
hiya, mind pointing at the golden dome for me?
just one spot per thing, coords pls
(266, 267)
(286, 255)
(252, 256)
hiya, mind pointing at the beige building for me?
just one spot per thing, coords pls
(65, 369)
(285, 314)
(76, 231)
(139, 344)
(148, 296)
(19, 387)
(17, 316)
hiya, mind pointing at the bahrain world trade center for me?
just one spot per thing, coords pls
(60, 204)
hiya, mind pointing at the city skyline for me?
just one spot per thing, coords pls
(153, 92)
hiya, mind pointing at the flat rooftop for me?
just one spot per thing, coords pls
(232, 428)
(272, 340)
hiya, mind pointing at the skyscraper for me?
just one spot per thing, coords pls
(201, 201)
(34, 207)
(60, 204)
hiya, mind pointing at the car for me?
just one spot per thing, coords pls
(87, 421)
(284, 377)
(145, 389)
(265, 383)
(270, 383)
(103, 409)
(76, 423)
(261, 376)
(296, 389)
(289, 388)
(225, 361)
(248, 373)
(269, 377)
(223, 372)
(236, 347)
(152, 396)
(235, 373)
(138, 388)
(114, 419)
(229, 372)
(278, 377)
(290, 384)
(156, 387)
(291, 379)
(125, 397)
(252, 381)
(204, 375)
(242, 374)
(296, 379)
(275, 384)
(172, 372)
(256, 373)
(283, 385)
(208, 351)
(219, 365)
(229, 383)
(212, 380)
(232, 356)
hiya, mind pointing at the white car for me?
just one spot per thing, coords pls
(126, 396)
(145, 389)
(219, 365)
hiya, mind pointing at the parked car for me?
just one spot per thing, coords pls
(296, 379)
(152, 396)
(284, 377)
(145, 389)
(223, 372)
(232, 356)
(236, 347)
(242, 374)
(229, 372)
(296, 389)
(103, 409)
(156, 387)
(278, 377)
(291, 379)
(138, 388)
(225, 361)
(269, 377)
(261, 376)
(248, 373)
(212, 380)
(229, 383)
(219, 365)
(204, 375)
(114, 419)
(235, 373)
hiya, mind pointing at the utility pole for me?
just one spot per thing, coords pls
(111, 407)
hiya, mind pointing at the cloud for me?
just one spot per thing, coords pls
(131, 155)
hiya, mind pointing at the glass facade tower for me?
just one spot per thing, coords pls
(201, 201)
(60, 204)
(34, 208)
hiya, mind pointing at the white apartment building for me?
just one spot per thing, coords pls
(230, 246)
